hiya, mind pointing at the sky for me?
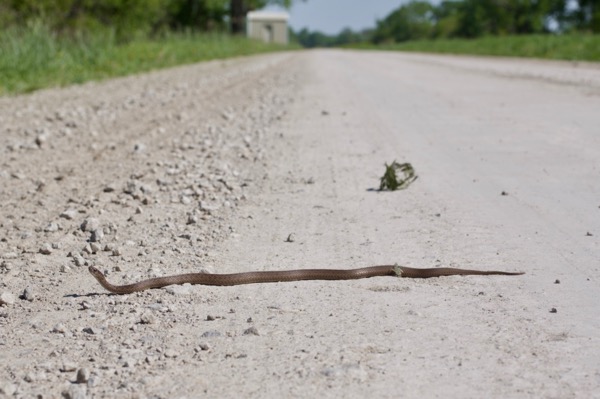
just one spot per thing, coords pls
(331, 16)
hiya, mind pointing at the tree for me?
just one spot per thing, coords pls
(409, 22)
(587, 15)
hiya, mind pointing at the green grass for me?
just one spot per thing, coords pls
(33, 58)
(575, 47)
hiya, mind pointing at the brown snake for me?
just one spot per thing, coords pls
(287, 275)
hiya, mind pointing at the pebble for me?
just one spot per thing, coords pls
(95, 247)
(96, 235)
(92, 330)
(78, 260)
(204, 346)
(64, 269)
(211, 334)
(68, 366)
(41, 139)
(251, 331)
(83, 375)
(28, 294)
(46, 249)
(147, 318)
(6, 298)
(69, 214)
(59, 328)
(51, 227)
(90, 224)
(171, 353)
(87, 249)
(8, 389)
(178, 289)
(192, 219)
(75, 392)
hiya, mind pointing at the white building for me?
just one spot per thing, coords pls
(268, 26)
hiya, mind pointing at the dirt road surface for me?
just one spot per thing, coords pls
(271, 163)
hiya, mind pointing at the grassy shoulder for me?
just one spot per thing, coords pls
(574, 47)
(34, 58)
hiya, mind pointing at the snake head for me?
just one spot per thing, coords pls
(95, 272)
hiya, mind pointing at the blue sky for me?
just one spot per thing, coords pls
(331, 16)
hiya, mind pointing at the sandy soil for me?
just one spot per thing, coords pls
(212, 167)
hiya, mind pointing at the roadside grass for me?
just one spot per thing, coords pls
(33, 58)
(573, 47)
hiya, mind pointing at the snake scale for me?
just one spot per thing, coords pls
(287, 275)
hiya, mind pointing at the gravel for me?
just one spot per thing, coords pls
(139, 176)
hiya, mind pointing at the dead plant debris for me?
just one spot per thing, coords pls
(390, 179)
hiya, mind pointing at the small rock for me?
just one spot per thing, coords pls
(59, 328)
(87, 249)
(109, 188)
(69, 214)
(96, 235)
(147, 318)
(553, 310)
(251, 331)
(8, 389)
(41, 139)
(204, 346)
(6, 298)
(64, 269)
(210, 318)
(90, 224)
(178, 289)
(91, 330)
(28, 294)
(75, 392)
(139, 210)
(83, 375)
(557, 281)
(170, 353)
(51, 227)
(192, 219)
(588, 234)
(117, 252)
(95, 247)
(46, 249)
(109, 247)
(68, 366)
(78, 260)
(29, 377)
(290, 238)
(211, 334)
(503, 193)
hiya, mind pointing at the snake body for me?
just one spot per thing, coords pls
(287, 275)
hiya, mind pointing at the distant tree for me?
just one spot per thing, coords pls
(205, 15)
(411, 21)
(587, 15)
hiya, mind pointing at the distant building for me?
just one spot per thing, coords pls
(268, 26)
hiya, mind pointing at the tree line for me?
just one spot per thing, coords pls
(128, 18)
(419, 20)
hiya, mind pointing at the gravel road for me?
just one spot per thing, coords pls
(271, 162)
